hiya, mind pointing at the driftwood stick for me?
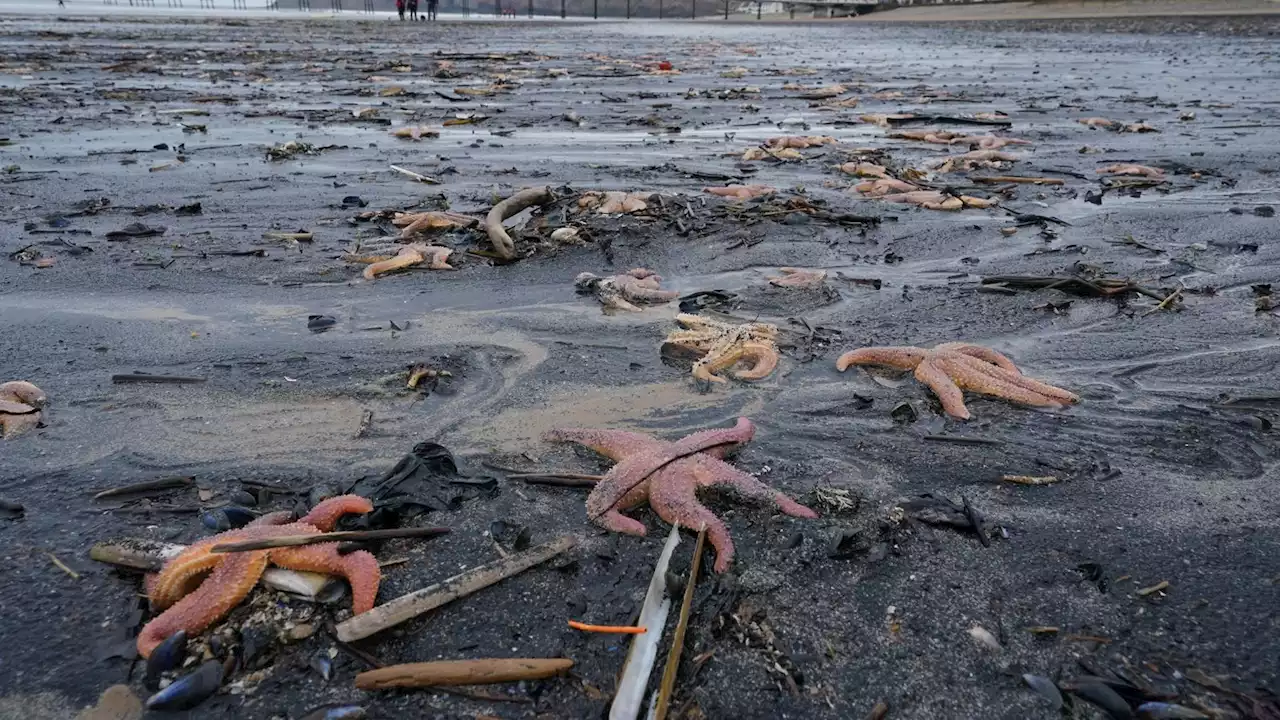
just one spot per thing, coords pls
(407, 607)
(461, 672)
(667, 687)
(353, 535)
(498, 237)
(559, 479)
(160, 484)
(123, 378)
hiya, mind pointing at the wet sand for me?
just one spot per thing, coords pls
(1074, 10)
(1167, 466)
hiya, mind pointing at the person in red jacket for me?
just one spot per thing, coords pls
(400, 8)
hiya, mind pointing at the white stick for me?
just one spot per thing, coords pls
(644, 648)
(415, 176)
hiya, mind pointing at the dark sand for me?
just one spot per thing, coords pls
(1162, 480)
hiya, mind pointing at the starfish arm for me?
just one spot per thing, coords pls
(15, 425)
(902, 358)
(23, 392)
(982, 353)
(1036, 386)
(360, 568)
(439, 257)
(763, 357)
(230, 582)
(326, 513)
(613, 520)
(13, 407)
(1018, 388)
(940, 382)
(405, 259)
(674, 499)
(183, 571)
(613, 444)
(634, 291)
(719, 474)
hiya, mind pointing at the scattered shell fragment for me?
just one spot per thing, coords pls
(984, 638)
(416, 132)
(1030, 479)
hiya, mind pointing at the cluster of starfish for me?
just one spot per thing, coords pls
(946, 137)
(1132, 169)
(952, 367)
(723, 345)
(976, 159)
(1101, 122)
(740, 192)
(191, 605)
(799, 142)
(436, 257)
(668, 475)
(891, 189)
(20, 407)
(614, 202)
(624, 291)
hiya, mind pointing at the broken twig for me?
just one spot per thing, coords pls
(160, 484)
(462, 672)
(353, 535)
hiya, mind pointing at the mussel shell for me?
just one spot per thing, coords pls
(322, 664)
(167, 656)
(322, 492)
(227, 518)
(243, 497)
(1046, 688)
(189, 691)
(1106, 698)
(336, 712)
(1168, 711)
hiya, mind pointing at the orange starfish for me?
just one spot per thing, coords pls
(740, 192)
(951, 367)
(668, 475)
(234, 574)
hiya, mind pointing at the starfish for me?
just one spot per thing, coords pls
(762, 153)
(437, 257)
(798, 278)
(865, 170)
(20, 404)
(723, 345)
(976, 159)
(623, 291)
(415, 132)
(881, 187)
(740, 192)
(614, 202)
(800, 142)
(1132, 169)
(668, 475)
(411, 224)
(234, 574)
(937, 200)
(951, 367)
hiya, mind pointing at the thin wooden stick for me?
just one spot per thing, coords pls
(76, 576)
(416, 176)
(296, 540)
(558, 479)
(677, 641)
(461, 672)
(123, 378)
(407, 607)
(161, 484)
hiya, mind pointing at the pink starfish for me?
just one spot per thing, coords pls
(668, 475)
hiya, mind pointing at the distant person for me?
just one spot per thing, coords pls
(431, 9)
(400, 8)
(413, 10)
(62, 3)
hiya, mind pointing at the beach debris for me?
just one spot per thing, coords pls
(190, 690)
(413, 175)
(824, 92)
(734, 73)
(740, 192)
(798, 278)
(436, 257)
(135, 230)
(609, 629)
(625, 291)
(139, 377)
(882, 187)
(502, 243)
(1158, 587)
(946, 137)
(1072, 284)
(864, 170)
(426, 479)
(1116, 126)
(411, 224)
(983, 637)
(799, 142)
(934, 510)
(951, 367)
(1099, 693)
(1030, 479)
(234, 574)
(10, 510)
(116, 703)
(336, 712)
(614, 202)
(668, 475)
(1016, 180)
(1132, 169)
(418, 373)
(1045, 688)
(1168, 711)
(328, 537)
(752, 154)
(667, 686)
(568, 235)
(627, 702)
(290, 150)
(462, 672)
(407, 607)
(976, 159)
(21, 408)
(415, 132)
(936, 199)
(321, 323)
(721, 345)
